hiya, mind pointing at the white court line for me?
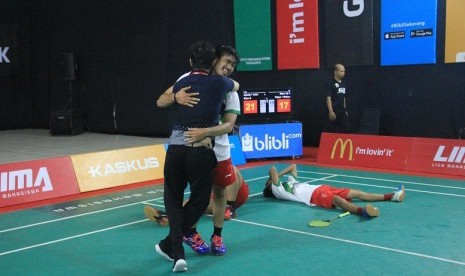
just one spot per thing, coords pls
(353, 242)
(245, 222)
(391, 180)
(248, 180)
(379, 186)
(71, 237)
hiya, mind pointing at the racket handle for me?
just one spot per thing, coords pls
(344, 214)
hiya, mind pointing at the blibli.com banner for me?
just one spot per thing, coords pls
(271, 140)
(408, 32)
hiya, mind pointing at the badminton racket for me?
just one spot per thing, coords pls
(327, 222)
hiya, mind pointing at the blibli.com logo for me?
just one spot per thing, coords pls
(251, 143)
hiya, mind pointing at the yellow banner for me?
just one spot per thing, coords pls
(455, 30)
(108, 169)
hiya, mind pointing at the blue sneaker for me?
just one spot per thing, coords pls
(369, 211)
(218, 246)
(196, 243)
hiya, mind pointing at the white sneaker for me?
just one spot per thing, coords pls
(399, 194)
(180, 266)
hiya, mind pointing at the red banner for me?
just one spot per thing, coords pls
(364, 150)
(36, 180)
(297, 34)
(442, 156)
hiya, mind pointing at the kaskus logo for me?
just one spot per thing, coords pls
(123, 167)
(250, 143)
(342, 148)
(20, 181)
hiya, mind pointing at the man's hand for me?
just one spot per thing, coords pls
(185, 98)
(332, 116)
(194, 135)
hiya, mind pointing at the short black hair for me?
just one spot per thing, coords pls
(268, 192)
(223, 50)
(202, 55)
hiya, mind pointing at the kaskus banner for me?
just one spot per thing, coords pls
(408, 32)
(349, 32)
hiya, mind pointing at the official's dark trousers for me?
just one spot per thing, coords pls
(183, 165)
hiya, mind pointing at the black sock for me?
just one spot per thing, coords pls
(231, 203)
(190, 231)
(217, 231)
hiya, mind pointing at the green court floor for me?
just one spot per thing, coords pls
(109, 234)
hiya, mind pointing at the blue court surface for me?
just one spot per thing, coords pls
(109, 234)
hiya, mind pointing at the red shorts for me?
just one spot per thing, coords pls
(323, 195)
(223, 173)
(242, 195)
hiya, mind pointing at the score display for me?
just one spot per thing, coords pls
(266, 104)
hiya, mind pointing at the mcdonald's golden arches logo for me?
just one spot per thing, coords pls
(343, 146)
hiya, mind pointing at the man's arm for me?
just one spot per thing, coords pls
(236, 85)
(197, 134)
(181, 97)
(290, 169)
(329, 104)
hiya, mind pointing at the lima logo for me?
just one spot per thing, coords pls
(250, 143)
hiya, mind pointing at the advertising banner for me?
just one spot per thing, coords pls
(107, 169)
(349, 32)
(30, 181)
(237, 156)
(271, 140)
(10, 50)
(455, 30)
(443, 156)
(364, 150)
(408, 32)
(297, 34)
(252, 20)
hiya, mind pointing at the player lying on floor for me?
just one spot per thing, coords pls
(236, 194)
(324, 195)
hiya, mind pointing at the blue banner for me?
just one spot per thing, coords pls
(237, 156)
(271, 140)
(408, 32)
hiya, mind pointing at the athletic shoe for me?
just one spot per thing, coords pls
(163, 251)
(369, 211)
(180, 265)
(399, 194)
(196, 243)
(218, 247)
(230, 212)
(156, 216)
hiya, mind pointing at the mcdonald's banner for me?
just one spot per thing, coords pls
(349, 32)
(107, 169)
(364, 150)
(252, 20)
(297, 34)
(455, 30)
(427, 155)
(408, 32)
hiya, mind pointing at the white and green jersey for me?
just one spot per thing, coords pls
(301, 192)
